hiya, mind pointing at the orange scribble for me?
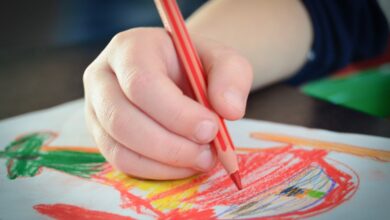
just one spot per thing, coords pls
(381, 155)
(70, 148)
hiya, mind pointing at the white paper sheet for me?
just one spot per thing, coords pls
(336, 175)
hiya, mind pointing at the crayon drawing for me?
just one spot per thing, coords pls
(295, 178)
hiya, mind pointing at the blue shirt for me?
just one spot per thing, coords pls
(345, 31)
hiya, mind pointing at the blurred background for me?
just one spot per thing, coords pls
(46, 45)
(46, 23)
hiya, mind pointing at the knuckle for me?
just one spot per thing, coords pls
(120, 160)
(121, 38)
(141, 31)
(137, 80)
(236, 62)
(140, 39)
(174, 154)
(177, 116)
(232, 57)
(87, 73)
(124, 40)
(103, 143)
(113, 119)
(110, 149)
(243, 64)
(115, 155)
(222, 53)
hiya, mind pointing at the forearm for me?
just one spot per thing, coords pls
(275, 36)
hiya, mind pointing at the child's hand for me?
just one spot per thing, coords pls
(139, 107)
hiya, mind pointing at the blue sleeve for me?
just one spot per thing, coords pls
(344, 31)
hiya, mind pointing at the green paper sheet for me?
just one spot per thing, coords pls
(367, 90)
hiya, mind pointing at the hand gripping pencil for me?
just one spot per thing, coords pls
(174, 24)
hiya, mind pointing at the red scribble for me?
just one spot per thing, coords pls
(192, 214)
(284, 162)
(71, 212)
(264, 173)
(221, 192)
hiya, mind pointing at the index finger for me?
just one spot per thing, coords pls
(142, 68)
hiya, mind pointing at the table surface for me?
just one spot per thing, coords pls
(47, 77)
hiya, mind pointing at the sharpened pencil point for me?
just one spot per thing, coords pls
(236, 179)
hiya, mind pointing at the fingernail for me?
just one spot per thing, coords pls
(205, 131)
(205, 160)
(235, 98)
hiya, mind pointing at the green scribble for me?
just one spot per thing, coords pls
(315, 194)
(24, 158)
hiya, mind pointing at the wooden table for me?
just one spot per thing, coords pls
(43, 78)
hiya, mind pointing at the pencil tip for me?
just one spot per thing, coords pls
(236, 179)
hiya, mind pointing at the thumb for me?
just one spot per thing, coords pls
(229, 77)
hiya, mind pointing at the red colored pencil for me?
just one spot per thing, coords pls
(174, 23)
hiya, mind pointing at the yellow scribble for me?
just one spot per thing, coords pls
(153, 188)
